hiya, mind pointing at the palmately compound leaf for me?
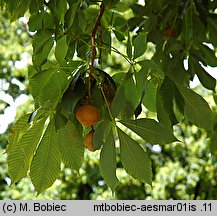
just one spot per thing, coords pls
(134, 159)
(45, 166)
(150, 130)
(21, 154)
(197, 109)
(71, 146)
(107, 163)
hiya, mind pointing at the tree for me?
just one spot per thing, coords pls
(73, 47)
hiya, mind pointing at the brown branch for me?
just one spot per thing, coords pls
(93, 37)
(100, 48)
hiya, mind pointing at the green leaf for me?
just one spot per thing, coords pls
(172, 66)
(134, 159)
(151, 67)
(48, 21)
(149, 99)
(60, 120)
(70, 14)
(45, 166)
(197, 109)
(213, 143)
(21, 154)
(119, 35)
(71, 146)
(212, 28)
(35, 21)
(18, 8)
(42, 44)
(40, 20)
(61, 49)
(150, 130)
(207, 80)
(139, 45)
(99, 134)
(49, 85)
(17, 131)
(129, 46)
(131, 91)
(107, 41)
(208, 55)
(121, 104)
(107, 163)
(179, 104)
(165, 112)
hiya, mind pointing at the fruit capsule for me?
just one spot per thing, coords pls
(88, 141)
(88, 115)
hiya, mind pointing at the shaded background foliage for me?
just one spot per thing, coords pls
(181, 171)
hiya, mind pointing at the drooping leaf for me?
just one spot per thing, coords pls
(179, 104)
(152, 68)
(61, 49)
(17, 8)
(207, 80)
(134, 159)
(61, 10)
(45, 166)
(35, 21)
(60, 120)
(19, 128)
(208, 55)
(42, 44)
(165, 112)
(70, 14)
(99, 134)
(121, 104)
(150, 130)
(107, 163)
(129, 46)
(21, 154)
(149, 99)
(212, 28)
(49, 85)
(138, 110)
(175, 70)
(197, 109)
(71, 146)
(131, 91)
(139, 45)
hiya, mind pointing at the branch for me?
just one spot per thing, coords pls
(93, 36)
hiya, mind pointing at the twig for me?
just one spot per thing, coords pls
(93, 37)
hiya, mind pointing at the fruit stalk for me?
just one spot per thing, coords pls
(93, 36)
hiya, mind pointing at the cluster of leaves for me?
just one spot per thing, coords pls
(50, 135)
